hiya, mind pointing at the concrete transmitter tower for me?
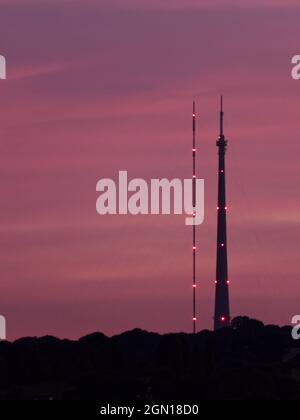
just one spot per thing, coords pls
(222, 312)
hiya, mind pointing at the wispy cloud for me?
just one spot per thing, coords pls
(35, 70)
(202, 4)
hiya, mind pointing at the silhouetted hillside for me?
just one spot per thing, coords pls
(248, 361)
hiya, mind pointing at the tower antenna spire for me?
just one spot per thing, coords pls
(221, 116)
(194, 216)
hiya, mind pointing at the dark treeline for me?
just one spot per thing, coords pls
(248, 361)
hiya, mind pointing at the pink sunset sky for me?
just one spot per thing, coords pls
(95, 87)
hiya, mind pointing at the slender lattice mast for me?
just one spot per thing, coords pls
(194, 215)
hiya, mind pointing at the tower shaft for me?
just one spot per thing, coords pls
(222, 311)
